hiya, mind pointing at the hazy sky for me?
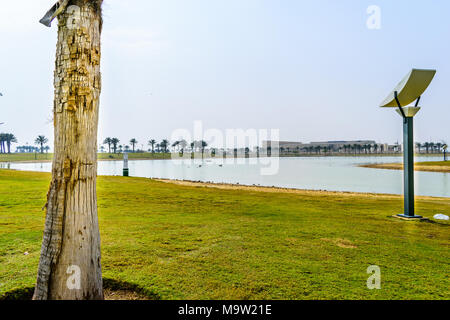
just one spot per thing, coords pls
(312, 69)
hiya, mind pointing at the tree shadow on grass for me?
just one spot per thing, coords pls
(110, 284)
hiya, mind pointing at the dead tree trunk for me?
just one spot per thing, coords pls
(69, 266)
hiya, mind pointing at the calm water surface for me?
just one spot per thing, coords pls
(321, 173)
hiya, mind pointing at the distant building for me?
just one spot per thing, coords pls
(341, 146)
(282, 144)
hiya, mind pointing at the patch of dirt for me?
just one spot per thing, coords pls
(123, 295)
(342, 243)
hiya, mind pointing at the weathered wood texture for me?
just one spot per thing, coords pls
(71, 235)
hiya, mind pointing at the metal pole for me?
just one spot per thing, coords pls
(408, 172)
(408, 161)
(125, 165)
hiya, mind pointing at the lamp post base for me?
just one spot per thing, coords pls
(409, 218)
(125, 172)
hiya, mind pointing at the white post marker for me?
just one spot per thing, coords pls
(125, 165)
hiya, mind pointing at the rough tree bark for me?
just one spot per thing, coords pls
(69, 266)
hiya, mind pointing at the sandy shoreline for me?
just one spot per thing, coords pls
(230, 186)
(399, 166)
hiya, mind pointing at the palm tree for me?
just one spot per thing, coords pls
(108, 141)
(182, 144)
(438, 147)
(41, 140)
(418, 146)
(203, 145)
(152, 143)
(164, 145)
(431, 146)
(427, 146)
(115, 142)
(10, 138)
(3, 140)
(2, 143)
(133, 143)
(375, 147)
(192, 144)
(71, 240)
(349, 148)
(176, 144)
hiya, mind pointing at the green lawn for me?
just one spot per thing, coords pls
(11, 157)
(181, 242)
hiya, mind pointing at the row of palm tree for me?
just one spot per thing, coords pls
(162, 147)
(434, 147)
(429, 147)
(113, 145)
(364, 148)
(348, 148)
(6, 139)
(182, 145)
(196, 145)
(27, 149)
(112, 142)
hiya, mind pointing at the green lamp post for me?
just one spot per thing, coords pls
(410, 89)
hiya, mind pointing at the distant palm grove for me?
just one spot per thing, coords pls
(8, 139)
(113, 145)
(422, 148)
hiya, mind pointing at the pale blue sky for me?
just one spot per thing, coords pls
(309, 68)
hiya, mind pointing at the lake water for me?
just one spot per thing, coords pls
(316, 173)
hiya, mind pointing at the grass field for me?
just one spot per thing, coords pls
(185, 242)
(435, 163)
(16, 157)
(431, 166)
